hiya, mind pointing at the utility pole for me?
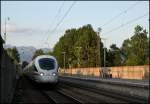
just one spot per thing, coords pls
(99, 45)
(64, 53)
(5, 28)
(104, 51)
(79, 50)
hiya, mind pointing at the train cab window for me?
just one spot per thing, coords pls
(47, 64)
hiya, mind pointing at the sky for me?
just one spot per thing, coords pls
(32, 23)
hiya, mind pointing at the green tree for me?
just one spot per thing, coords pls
(114, 56)
(37, 53)
(14, 55)
(85, 56)
(136, 48)
(66, 44)
(89, 51)
(50, 53)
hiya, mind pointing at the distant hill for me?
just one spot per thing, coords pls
(26, 52)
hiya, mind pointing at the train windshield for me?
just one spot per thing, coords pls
(47, 63)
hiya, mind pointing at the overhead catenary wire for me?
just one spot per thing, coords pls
(69, 9)
(116, 16)
(55, 18)
(128, 22)
(65, 15)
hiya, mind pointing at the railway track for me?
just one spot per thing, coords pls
(88, 96)
(29, 92)
(68, 93)
(108, 94)
(57, 97)
(70, 97)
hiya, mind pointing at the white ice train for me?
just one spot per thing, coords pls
(43, 69)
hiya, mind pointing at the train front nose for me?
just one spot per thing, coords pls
(48, 78)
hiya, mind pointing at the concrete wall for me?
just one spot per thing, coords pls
(8, 78)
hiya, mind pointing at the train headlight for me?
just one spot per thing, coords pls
(41, 74)
(54, 74)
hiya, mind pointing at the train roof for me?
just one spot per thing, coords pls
(39, 57)
(45, 56)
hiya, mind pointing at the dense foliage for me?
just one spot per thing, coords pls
(114, 56)
(14, 54)
(80, 47)
(136, 48)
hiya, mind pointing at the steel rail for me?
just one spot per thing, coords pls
(109, 93)
(98, 97)
(69, 96)
(61, 93)
(51, 100)
(113, 82)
